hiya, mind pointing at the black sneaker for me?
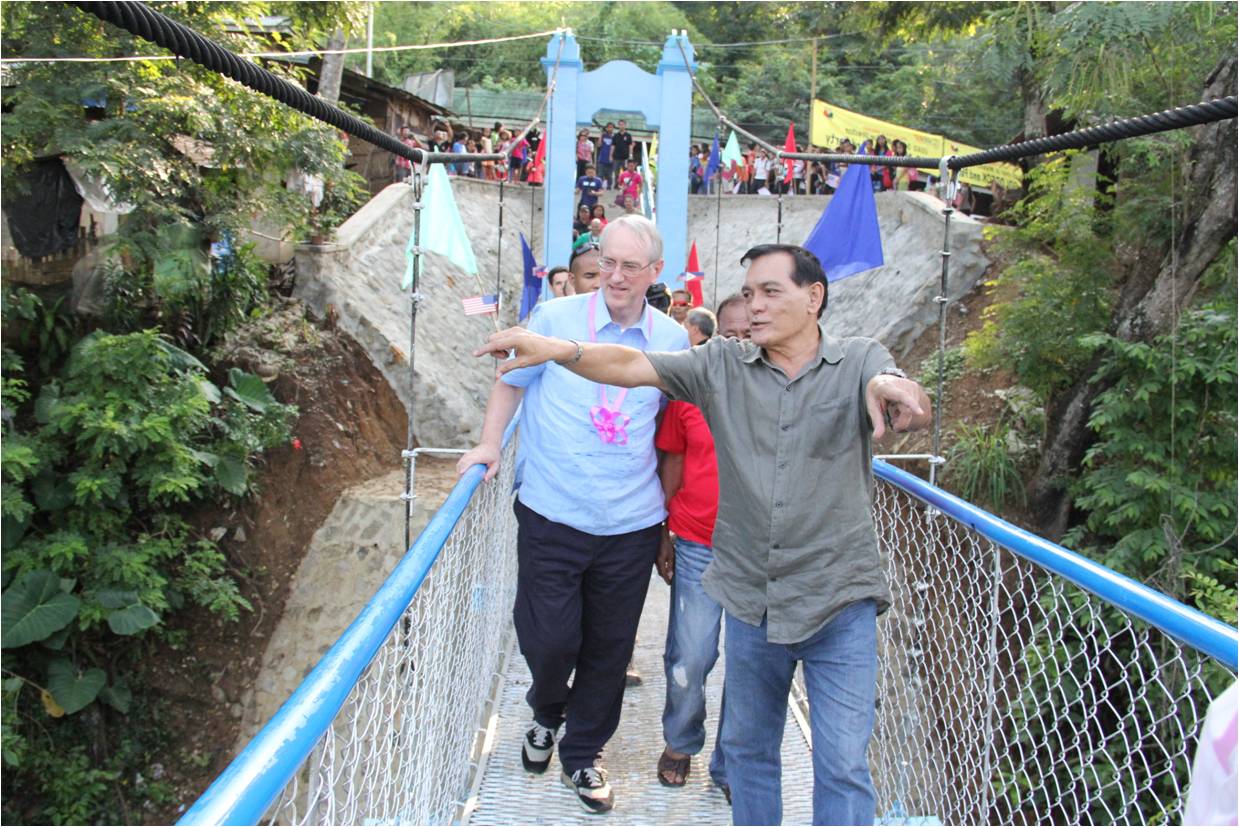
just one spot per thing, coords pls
(592, 789)
(537, 748)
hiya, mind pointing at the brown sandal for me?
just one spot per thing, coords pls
(673, 772)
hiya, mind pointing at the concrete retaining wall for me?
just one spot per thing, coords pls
(357, 281)
(894, 303)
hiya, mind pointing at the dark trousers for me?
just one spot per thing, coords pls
(578, 600)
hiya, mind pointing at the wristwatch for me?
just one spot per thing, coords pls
(892, 372)
(579, 352)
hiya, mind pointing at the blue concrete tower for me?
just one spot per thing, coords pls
(666, 101)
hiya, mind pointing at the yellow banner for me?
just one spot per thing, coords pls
(1009, 176)
(831, 124)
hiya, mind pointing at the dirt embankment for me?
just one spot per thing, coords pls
(351, 428)
(972, 397)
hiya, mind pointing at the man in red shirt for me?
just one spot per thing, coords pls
(689, 476)
(629, 183)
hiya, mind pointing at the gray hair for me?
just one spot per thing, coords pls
(642, 228)
(702, 319)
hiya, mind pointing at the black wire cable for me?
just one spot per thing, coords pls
(870, 160)
(184, 41)
(1197, 113)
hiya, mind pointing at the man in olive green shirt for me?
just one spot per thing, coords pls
(796, 563)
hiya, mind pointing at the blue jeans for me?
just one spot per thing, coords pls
(691, 652)
(840, 664)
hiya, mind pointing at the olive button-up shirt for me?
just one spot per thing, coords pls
(794, 539)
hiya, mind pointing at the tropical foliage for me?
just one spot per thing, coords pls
(116, 428)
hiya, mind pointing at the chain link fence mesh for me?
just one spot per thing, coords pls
(1006, 695)
(399, 750)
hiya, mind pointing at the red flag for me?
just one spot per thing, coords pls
(693, 277)
(537, 169)
(694, 290)
(789, 146)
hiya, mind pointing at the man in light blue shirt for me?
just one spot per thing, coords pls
(589, 509)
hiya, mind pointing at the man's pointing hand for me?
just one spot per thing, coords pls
(526, 348)
(902, 399)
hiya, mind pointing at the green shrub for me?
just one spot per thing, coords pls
(982, 469)
(1062, 273)
(169, 278)
(953, 363)
(1159, 484)
(96, 473)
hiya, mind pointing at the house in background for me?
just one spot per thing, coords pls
(388, 108)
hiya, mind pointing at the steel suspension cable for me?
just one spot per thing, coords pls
(150, 25)
(718, 113)
(410, 47)
(1183, 116)
(178, 38)
(1195, 114)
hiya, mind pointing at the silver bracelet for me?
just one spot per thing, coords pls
(580, 351)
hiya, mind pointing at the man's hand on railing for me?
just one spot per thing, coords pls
(488, 455)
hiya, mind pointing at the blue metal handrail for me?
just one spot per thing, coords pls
(1183, 623)
(244, 791)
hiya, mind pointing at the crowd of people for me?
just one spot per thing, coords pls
(761, 173)
(608, 168)
(516, 166)
(607, 164)
(622, 472)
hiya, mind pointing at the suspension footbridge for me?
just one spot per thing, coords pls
(1019, 682)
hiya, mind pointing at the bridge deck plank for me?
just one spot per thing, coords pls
(509, 795)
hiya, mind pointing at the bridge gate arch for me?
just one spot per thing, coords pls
(665, 100)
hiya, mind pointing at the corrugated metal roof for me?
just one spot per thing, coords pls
(478, 107)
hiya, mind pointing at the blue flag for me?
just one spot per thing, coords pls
(533, 284)
(715, 161)
(846, 239)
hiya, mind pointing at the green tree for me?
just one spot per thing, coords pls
(606, 30)
(113, 439)
(198, 156)
(1159, 484)
(1059, 270)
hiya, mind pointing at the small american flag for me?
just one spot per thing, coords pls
(539, 272)
(478, 305)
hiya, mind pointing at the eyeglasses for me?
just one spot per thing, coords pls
(679, 304)
(628, 268)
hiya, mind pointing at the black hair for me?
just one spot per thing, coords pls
(587, 247)
(555, 271)
(807, 270)
(659, 297)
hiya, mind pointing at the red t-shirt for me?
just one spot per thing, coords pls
(695, 506)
